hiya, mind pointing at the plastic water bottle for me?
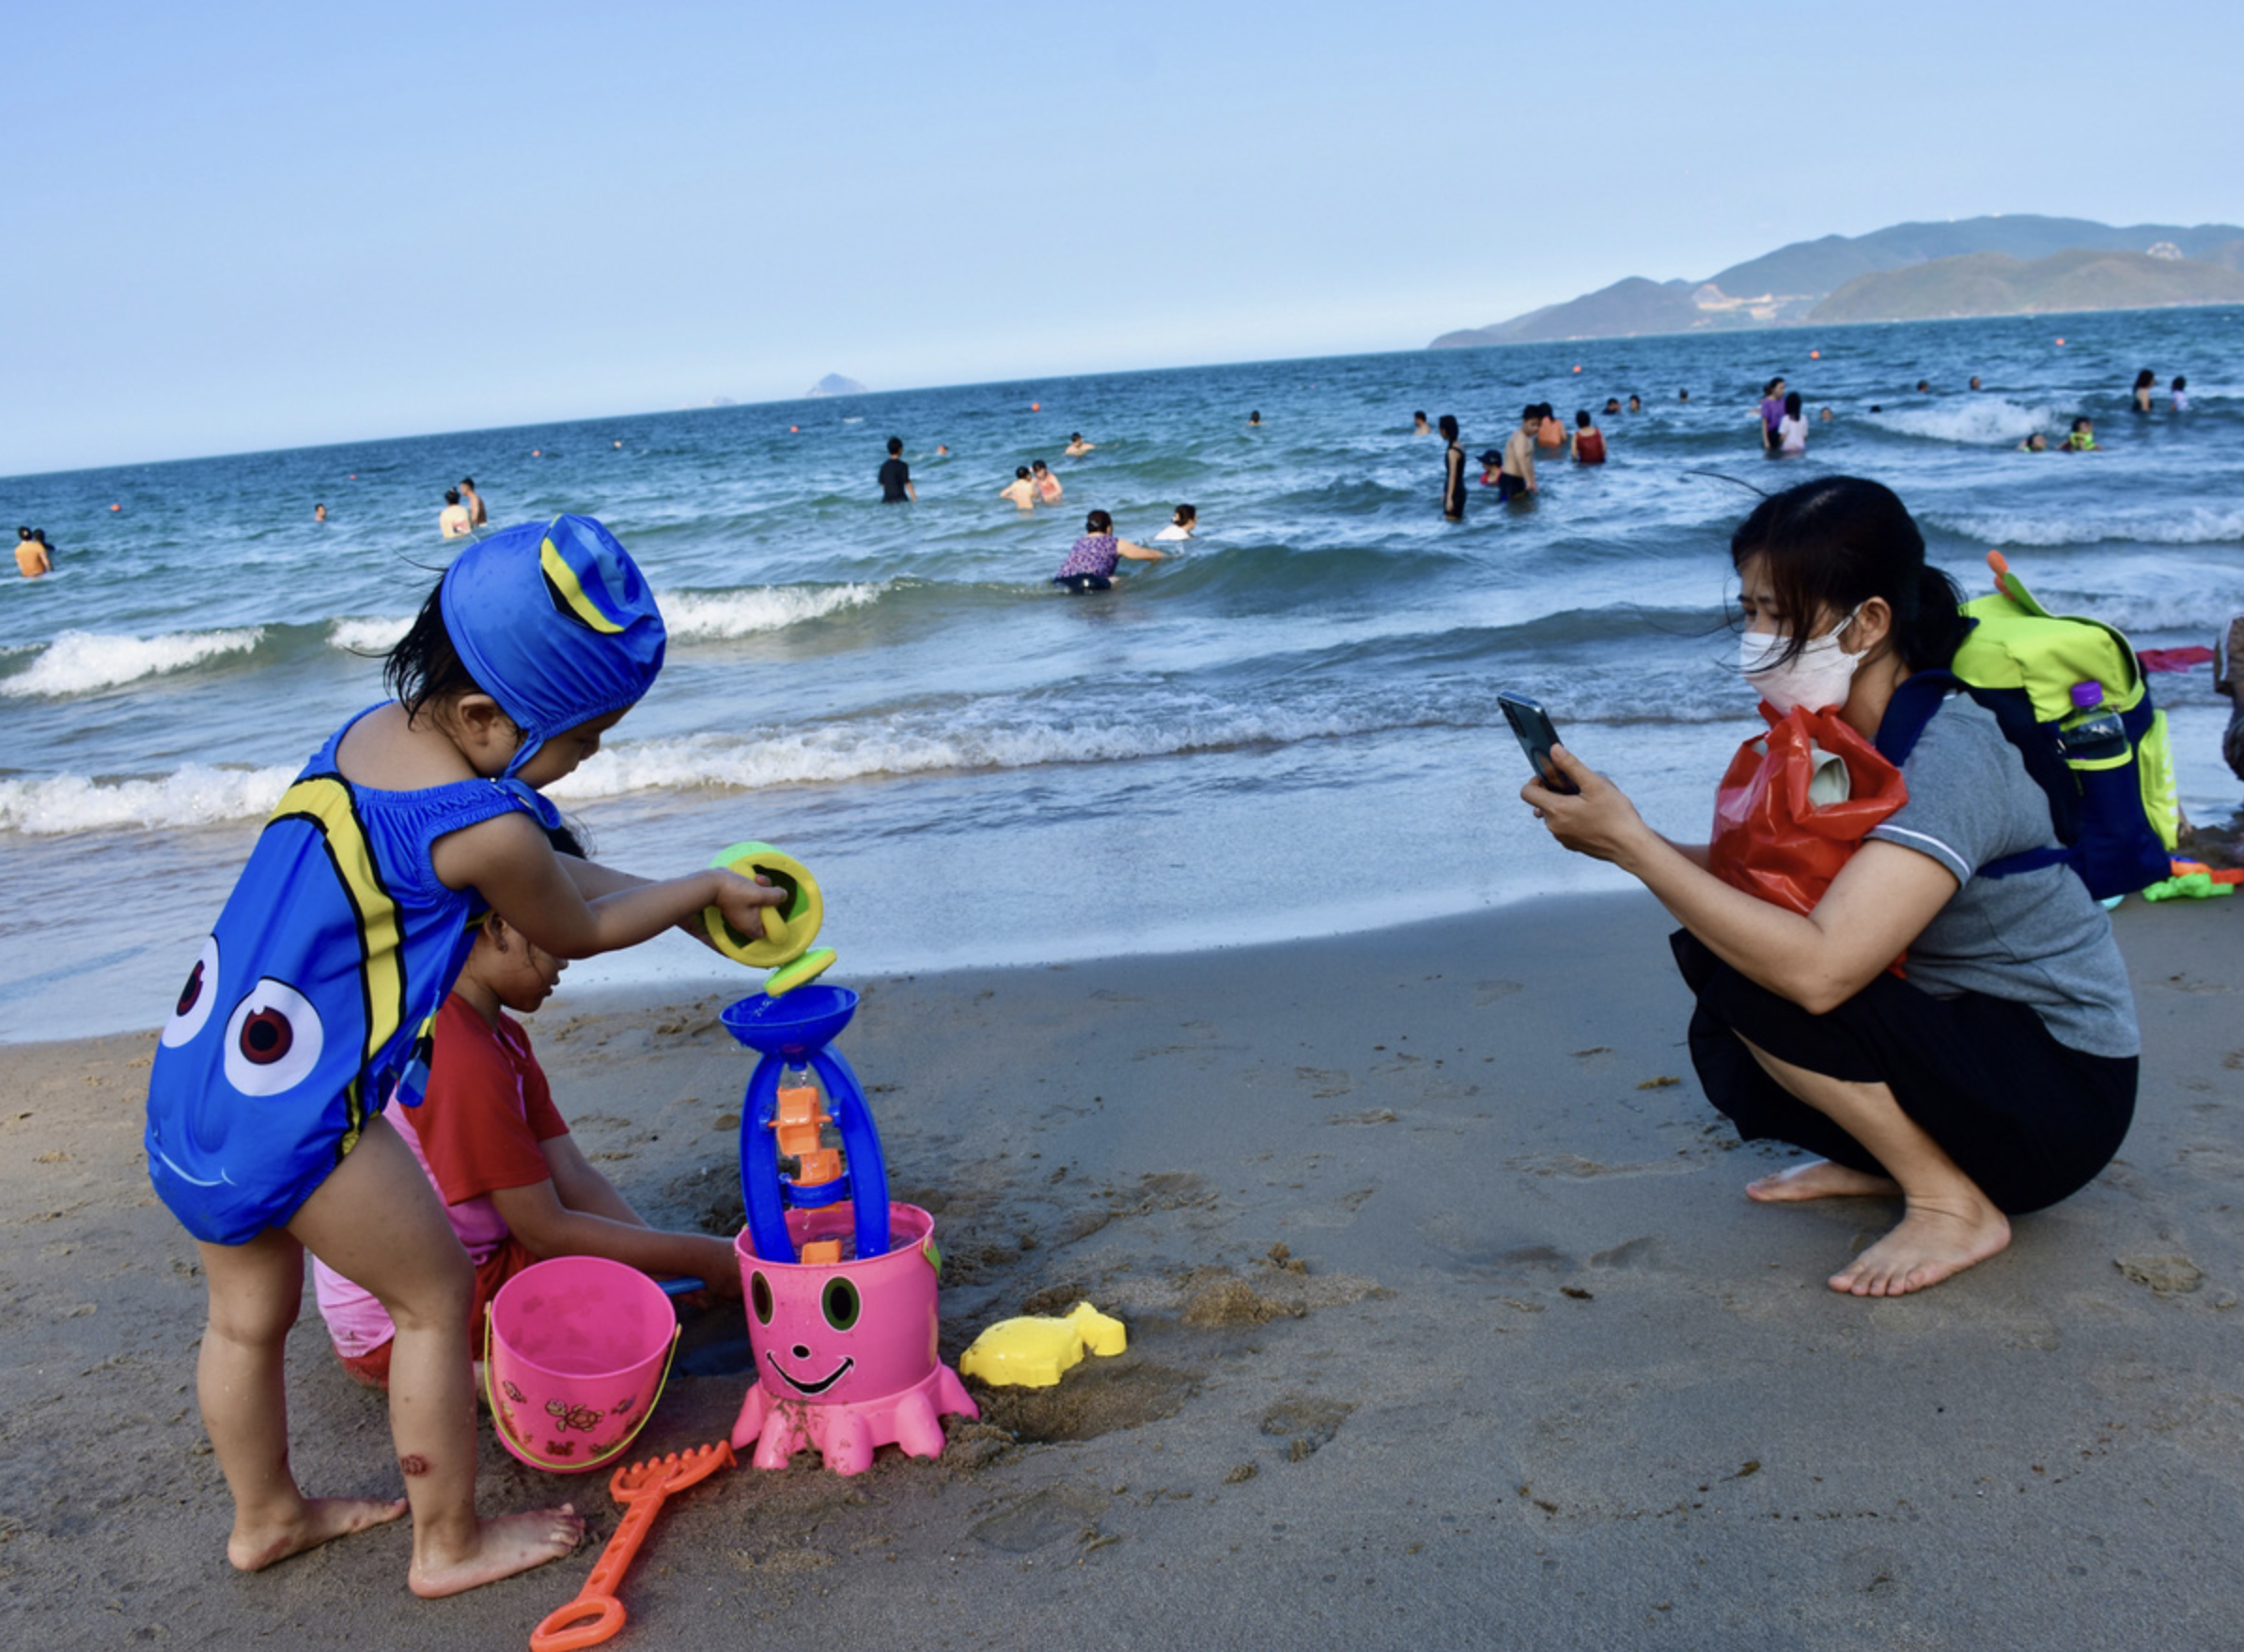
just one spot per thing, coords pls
(2093, 733)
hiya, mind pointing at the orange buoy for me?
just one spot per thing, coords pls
(1577, 369)
(794, 430)
(534, 453)
(2060, 341)
(1036, 407)
(117, 507)
(1814, 355)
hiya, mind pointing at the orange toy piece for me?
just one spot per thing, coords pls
(596, 1613)
(801, 1119)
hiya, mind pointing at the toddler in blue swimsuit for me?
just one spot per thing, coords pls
(311, 1005)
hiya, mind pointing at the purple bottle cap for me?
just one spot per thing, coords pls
(2087, 694)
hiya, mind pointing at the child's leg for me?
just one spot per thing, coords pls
(377, 1221)
(254, 1292)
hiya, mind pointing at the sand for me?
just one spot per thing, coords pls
(1449, 1326)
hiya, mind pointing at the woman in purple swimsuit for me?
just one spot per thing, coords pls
(1090, 566)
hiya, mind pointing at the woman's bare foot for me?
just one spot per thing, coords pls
(510, 1544)
(317, 1521)
(1820, 1178)
(1937, 1239)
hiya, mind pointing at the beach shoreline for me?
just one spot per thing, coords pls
(1448, 1324)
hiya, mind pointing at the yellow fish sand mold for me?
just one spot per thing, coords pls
(1032, 1351)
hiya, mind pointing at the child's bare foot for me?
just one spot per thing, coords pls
(1820, 1180)
(252, 1548)
(513, 1543)
(1934, 1240)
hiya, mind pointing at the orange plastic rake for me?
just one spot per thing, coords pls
(596, 1613)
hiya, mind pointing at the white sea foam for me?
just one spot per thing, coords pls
(2191, 524)
(739, 614)
(1985, 421)
(193, 796)
(82, 662)
(853, 751)
(376, 635)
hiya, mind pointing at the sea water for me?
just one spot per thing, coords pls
(1291, 731)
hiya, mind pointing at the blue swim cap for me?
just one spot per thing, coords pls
(555, 622)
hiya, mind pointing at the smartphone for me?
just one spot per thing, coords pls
(1531, 724)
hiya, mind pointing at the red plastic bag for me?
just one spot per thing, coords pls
(1769, 840)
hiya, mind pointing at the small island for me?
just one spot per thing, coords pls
(834, 384)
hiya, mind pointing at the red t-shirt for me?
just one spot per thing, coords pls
(477, 1130)
(488, 1106)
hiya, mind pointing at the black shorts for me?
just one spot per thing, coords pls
(2029, 1119)
(1078, 583)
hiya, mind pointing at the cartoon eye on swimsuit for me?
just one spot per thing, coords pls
(196, 998)
(840, 1303)
(583, 1419)
(273, 1042)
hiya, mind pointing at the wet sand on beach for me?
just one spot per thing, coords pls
(1449, 1326)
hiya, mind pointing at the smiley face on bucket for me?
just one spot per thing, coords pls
(805, 1330)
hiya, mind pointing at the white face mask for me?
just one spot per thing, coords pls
(1816, 677)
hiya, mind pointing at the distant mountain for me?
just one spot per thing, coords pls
(1995, 284)
(834, 384)
(1790, 284)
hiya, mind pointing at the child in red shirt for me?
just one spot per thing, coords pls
(515, 1186)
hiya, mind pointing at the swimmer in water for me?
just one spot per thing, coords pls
(940, 451)
(2181, 394)
(32, 560)
(2082, 439)
(1047, 485)
(1612, 404)
(1517, 476)
(1254, 418)
(1419, 427)
(1076, 446)
(1587, 444)
(452, 522)
(1023, 489)
(2037, 443)
(319, 513)
(1490, 463)
(1680, 396)
(478, 515)
(1091, 563)
(1975, 381)
(2145, 382)
(1181, 523)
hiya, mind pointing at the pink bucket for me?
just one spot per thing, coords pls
(575, 1353)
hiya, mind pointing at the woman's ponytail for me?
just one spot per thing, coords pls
(1931, 642)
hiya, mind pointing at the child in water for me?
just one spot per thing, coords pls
(312, 1002)
(514, 1186)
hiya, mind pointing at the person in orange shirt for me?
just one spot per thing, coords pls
(31, 554)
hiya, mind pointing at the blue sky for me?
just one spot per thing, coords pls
(238, 226)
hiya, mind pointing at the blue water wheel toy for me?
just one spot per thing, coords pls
(791, 1035)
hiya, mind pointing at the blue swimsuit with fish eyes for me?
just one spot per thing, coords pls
(313, 1001)
(314, 996)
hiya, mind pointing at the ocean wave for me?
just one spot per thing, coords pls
(2191, 525)
(691, 614)
(856, 751)
(1987, 421)
(376, 635)
(83, 661)
(193, 796)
